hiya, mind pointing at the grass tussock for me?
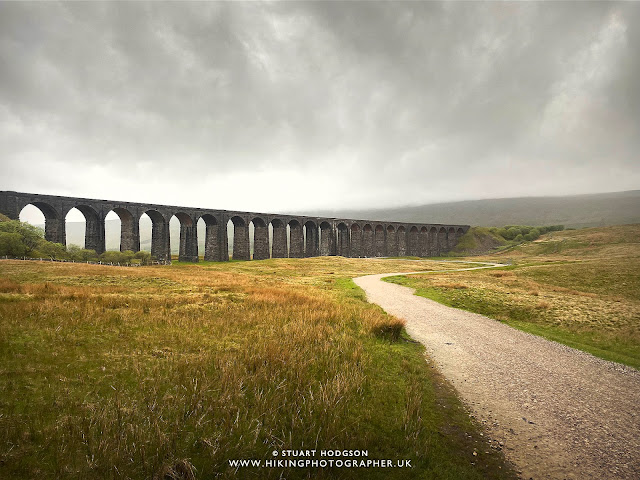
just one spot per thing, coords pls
(170, 372)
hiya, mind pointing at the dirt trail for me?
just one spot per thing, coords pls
(559, 413)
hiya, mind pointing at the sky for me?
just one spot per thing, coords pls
(294, 106)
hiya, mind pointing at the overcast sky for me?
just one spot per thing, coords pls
(291, 106)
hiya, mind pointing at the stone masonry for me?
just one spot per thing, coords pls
(293, 236)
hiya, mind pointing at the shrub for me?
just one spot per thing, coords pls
(117, 257)
(144, 257)
(74, 252)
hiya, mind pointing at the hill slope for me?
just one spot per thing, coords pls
(575, 211)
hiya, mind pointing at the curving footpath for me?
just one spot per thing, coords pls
(557, 412)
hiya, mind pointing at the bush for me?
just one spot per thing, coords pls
(144, 257)
(117, 257)
(74, 252)
(519, 233)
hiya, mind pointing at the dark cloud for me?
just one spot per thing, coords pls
(370, 103)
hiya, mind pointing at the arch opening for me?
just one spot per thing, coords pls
(74, 228)
(35, 216)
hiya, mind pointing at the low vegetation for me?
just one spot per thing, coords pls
(577, 287)
(20, 239)
(172, 371)
(481, 240)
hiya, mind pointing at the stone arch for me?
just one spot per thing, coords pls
(391, 244)
(423, 242)
(401, 237)
(129, 229)
(188, 243)
(326, 239)
(367, 241)
(260, 239)
(342, 245)
(311, 239)
(54, 224)
(356, 240)
(433, 242)
(160, 247)
(240, 239)
(413, 242)
(279, 247)
(296, 239)
(93, 230)
(214, 246)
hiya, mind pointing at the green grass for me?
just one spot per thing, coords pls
(141, 373)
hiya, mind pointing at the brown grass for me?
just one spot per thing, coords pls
(169, 372)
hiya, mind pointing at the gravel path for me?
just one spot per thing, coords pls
(559, 413)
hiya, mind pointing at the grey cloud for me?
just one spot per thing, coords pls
(391, 92)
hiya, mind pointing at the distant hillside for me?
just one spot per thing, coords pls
(575, 211)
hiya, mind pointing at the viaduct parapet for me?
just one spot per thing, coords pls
(305, 236)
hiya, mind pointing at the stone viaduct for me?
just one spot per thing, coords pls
(307, 236)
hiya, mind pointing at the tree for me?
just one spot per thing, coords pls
(51, 250)
(11, 244)
(30, 237)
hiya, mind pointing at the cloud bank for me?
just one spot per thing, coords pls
(285, 106)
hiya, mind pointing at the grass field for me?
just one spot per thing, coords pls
(170, 372)
(577, 287)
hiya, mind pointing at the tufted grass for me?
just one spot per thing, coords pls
(170, 372)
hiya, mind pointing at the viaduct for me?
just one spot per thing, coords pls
(308, 236)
